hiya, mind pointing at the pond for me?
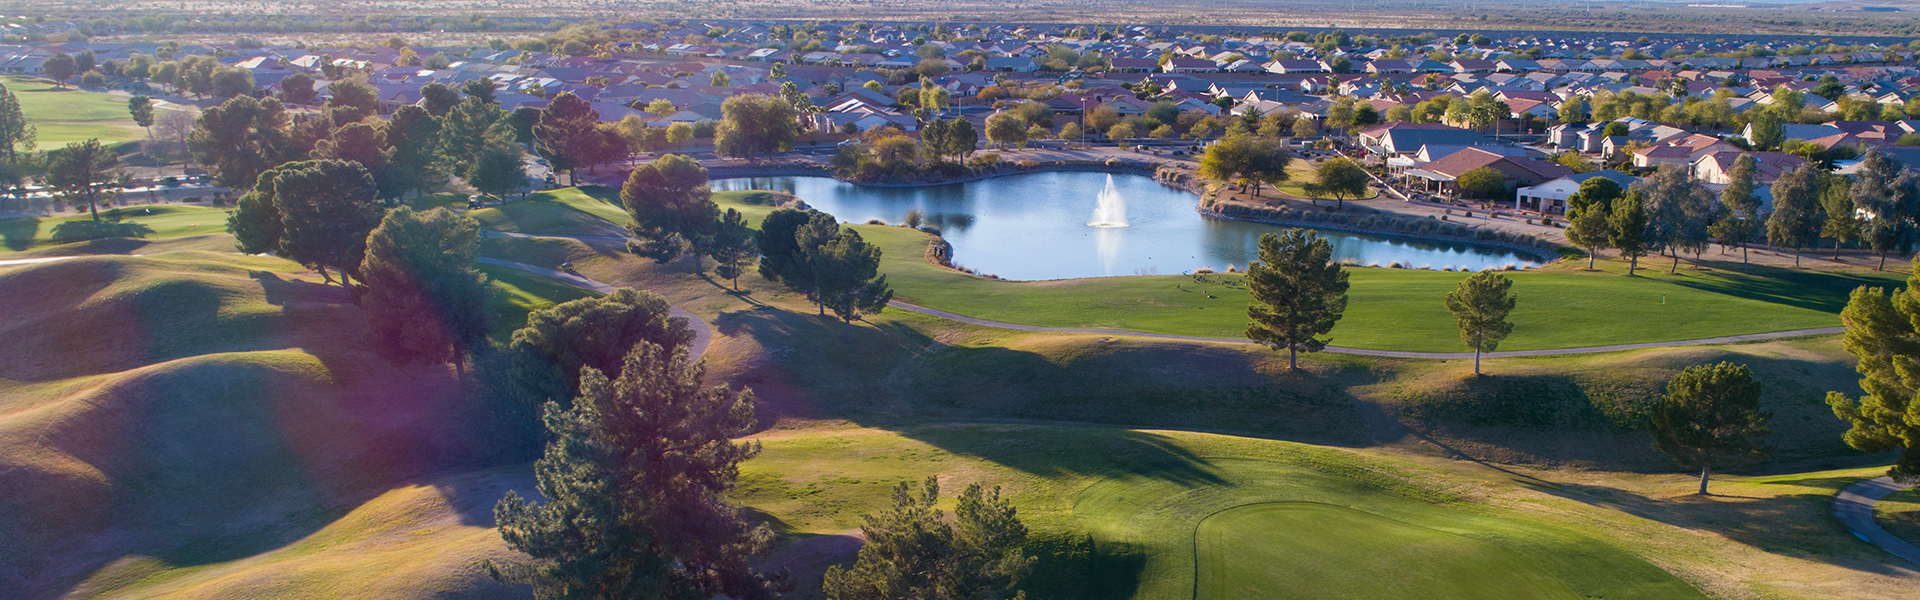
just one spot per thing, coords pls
(1084, 224)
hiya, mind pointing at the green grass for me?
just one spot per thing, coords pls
(1899, 513)
(1141, 498)
(1559, 306)
(568, 211)
(70, 115)
(520, 293)
(1299, 174)
(157, 221)
(1313, 550)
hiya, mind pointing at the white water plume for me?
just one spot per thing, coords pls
(1109, 210)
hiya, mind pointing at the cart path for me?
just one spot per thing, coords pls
(1854, 507)
(702, 333)
(1381, 353)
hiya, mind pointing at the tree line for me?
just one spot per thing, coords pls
(1670, 212)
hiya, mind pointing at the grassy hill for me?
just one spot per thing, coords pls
(194, 408)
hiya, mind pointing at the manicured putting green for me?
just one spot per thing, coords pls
(1326, 552)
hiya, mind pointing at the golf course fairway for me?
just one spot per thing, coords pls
(1315, 550)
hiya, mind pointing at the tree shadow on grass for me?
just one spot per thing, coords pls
(1800, 525)
(18, 234)
(1824, 291)
(109, 226)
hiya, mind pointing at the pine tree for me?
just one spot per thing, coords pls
(847, 279)
(1299, 293)
(425, 302)
(636, 478)
(672, 208)
(16, 133)
(1710, 416)
(1481, 305)
(733, 247)
(327, 208)
(1590, 230)
(913, 552)
(558, 343)
(781, 258)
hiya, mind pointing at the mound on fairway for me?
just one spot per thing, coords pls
(194, 408)
(1327, 552)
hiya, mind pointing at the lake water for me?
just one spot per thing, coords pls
(1057, 226)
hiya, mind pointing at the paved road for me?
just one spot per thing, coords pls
(1854, 507)
(583, 238)
(1382, 353)
(702, 333)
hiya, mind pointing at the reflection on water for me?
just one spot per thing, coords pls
(1035, 226)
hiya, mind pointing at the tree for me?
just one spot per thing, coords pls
(240, 139)
(1597, 193)
(1795, 222)
(782, 258)
(913, 552)
(469, 128)
(1242, 156)
(567, 133)
(255, 220)
(327, 208)
(60, 67)
(480, 89)
(558, 344)
(1481, 304)
(16, 132)
(1486, 182)
(1341, 178)
(228, 83)
(1709, 417)
(499, 170)
(413, 147)
(82, 170)
(1891, 193)
(672, 208)
(1842, 222)
(1880, 333)
(847, 279)
(1007, 129)
(1766, 134)
(351, 100)
(1590, 231)
(733, 247)
(1680, 210)
(425, 302)
(636, 477)
(1629, 223)
(1739, 220)
(755, 124)
(141, 109)
(298, 89)
(438, 98)
(1299, 293)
